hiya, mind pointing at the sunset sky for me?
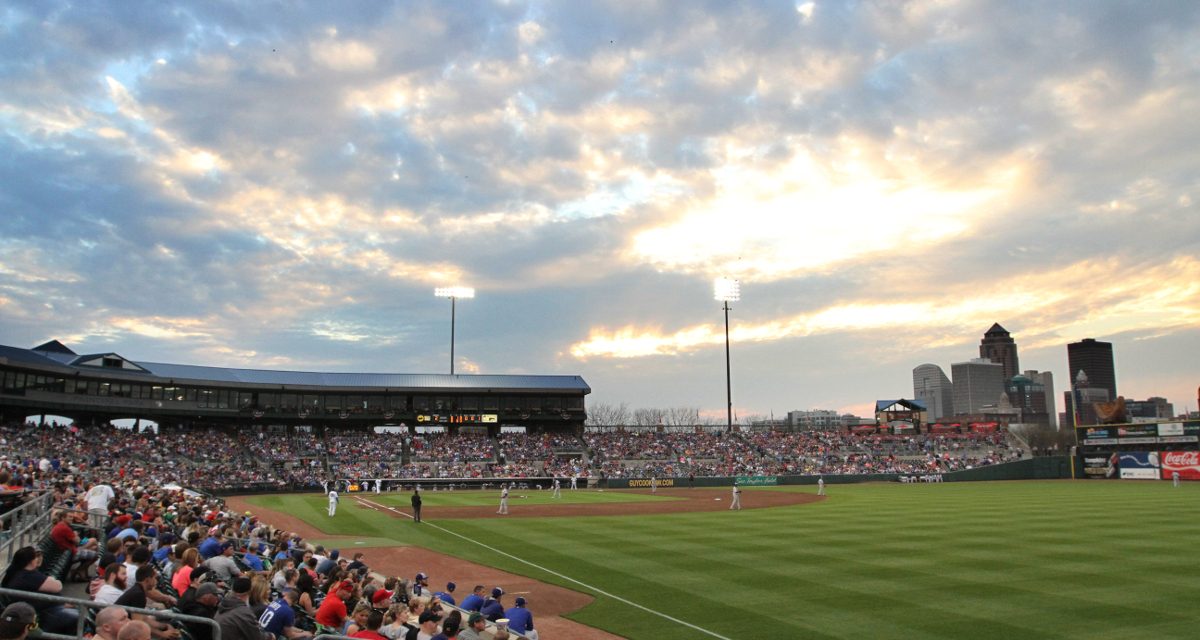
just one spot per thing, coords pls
(283, 186)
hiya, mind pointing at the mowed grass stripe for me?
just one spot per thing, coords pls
(1005, 559)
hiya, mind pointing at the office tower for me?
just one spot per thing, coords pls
(1030, 398)
(931, 386)
(977, 383)
(1046, 379)
(998, 346)
(1086, 396)
(1094, 358)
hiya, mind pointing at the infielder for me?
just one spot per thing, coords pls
(557, 489)
(574, 480)
(820, 486)
(503, 500)
(377, 483)
(333, 501)
(736, 503)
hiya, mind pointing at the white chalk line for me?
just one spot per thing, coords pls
(557, 574)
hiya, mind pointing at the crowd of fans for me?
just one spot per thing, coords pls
(217, 460)
(139, 544)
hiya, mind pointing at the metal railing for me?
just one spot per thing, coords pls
(13, 595)
(25, 526)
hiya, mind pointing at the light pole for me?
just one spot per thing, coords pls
(454, 293)
(727, 290)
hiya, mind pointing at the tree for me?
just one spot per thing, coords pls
(606, 415)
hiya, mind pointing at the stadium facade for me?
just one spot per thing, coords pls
(96, 388)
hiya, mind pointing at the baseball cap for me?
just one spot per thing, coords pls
(345, 584)
(207, 589)
(381, 596)
(520, 602)
(241, 584)
(228, 544)
(16, 617)
(475, 617)
(497, 592)
(422, 576)
(428, 616)
(450, 586)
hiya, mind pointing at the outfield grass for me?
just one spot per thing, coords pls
(1054, 559)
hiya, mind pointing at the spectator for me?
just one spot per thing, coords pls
(135, 630)
(67, 540)
(234, 616)
(476, 623)
(332, 613)
(202, 605)
(223, 565)
(114, 583)
(24, 574)
(109, 622)
(280, 617)
(17, 620)
(136, 596)
(373, 621)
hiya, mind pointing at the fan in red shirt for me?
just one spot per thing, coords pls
(332, 612)
(66, 539)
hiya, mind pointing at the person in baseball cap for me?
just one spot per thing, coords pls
(520, 619)
(447, 595)
(17, 621)
(492, 609)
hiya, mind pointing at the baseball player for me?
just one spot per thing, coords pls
(333, 502)
(503, 500)
(820, 486)
(653, 484)
(736, 503)
(1175, 478)
(574, 480)
(557, 489)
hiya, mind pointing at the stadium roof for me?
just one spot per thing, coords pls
(61, 358)
(918, 405)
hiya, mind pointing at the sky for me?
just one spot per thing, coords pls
(283, 185)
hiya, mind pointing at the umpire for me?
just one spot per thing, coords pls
(416, 504)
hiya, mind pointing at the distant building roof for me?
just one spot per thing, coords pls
(915, 405)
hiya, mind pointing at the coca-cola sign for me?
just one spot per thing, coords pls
(1187, 463)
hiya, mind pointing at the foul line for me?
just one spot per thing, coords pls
(553, 573)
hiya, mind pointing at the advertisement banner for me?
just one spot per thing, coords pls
(1137, 431)
(1170, 429)
(1139, 465)
(1175, 439)
(1187, 463)
(758, 481)
(1100, 466)
(1097, 433)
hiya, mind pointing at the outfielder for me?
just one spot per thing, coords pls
(820, 486)
(653, 484)
(333, 502)
(503, 500)
(557, 489)
(736, 503)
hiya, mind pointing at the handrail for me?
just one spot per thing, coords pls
(16, 594)
(25, 525)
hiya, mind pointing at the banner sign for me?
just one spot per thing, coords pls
(645, 482)
(458, 418)
(1099, 466)
(1175, 439)
(1170, 429)
(1139, 465)
(1187, 463)
(1094, 436)
(1137, 431)
(758, 481)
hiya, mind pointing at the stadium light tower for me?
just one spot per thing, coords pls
(454, 293)
(727, 290)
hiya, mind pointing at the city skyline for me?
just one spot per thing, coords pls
(227, 184)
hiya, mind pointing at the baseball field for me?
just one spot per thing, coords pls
(1030, 559)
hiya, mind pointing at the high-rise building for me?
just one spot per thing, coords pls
(1094, 358)
(931, 386)
(1046, 379)
(1154, 407)
(1082, 408)
(1030, 398)
(998, 346)
(977, 383)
